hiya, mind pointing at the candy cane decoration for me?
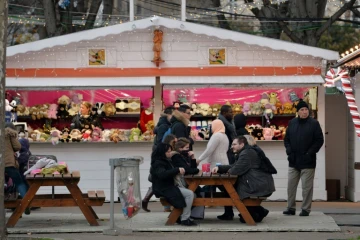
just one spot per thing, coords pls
(340, 74)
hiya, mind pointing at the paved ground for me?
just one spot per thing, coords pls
(346, 215)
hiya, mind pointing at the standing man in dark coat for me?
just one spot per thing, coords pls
(226, 116)
(163, 125)
(303, 140)
(240, 123)
(180, 123)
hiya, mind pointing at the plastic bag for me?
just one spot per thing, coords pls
(129, 193)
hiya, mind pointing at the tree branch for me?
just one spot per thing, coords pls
(334, 17)
(356, 12)
(290, 33)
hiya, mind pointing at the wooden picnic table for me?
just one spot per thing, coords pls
(225, 180)
(75, 198)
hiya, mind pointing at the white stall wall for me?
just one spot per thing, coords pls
(180, 49)
(92, 159)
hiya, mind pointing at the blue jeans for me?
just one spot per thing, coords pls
(20, 183)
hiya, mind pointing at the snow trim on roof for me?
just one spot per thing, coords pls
(224, 34)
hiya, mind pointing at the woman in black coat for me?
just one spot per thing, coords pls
(164, 174)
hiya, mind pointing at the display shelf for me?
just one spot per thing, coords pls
(121, 115)
(89, 142)
(197, 116)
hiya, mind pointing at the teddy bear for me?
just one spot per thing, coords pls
(146, 136)
(44, 110)
(273, 98)
(75, 135)
(135, 135)
(293, 96)
(105, 135)
(52, 111)
(287, 108)
(268, 111)
(109, 109)
(13, 112)
(237, 108)
(20, 110)
(256, 109)
(264, 99)
(257, 133)
(216, 109)
(268, 133)
(247, 108)
(278, 108)
(55, 136)
(117, 135)
(74, 109)
(65, 137)
(277, 133)
(96, 134)
(63, 103)
(98, 109)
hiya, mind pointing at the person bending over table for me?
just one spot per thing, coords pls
(253, 179)
(163, 175)
(85, 117)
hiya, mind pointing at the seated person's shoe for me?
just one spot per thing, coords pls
(27, 211)
(266, 212)
(304, 213)
(225, 217)
(178, 221)
(289, 212)
(188, 222)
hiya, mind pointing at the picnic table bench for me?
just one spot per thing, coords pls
(216, 199)
(75, 198)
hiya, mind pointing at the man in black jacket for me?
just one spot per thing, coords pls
(226, 116)
(303, 140)
(163, 125)
(180, 123)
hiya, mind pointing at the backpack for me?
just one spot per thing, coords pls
(169, 131)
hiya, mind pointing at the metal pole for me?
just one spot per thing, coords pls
(3, 36)
(131, 3)
(183, 10)
(112, 224)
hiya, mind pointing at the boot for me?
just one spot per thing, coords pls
(146, 200)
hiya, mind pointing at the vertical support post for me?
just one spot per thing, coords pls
(183, 10)
(131, 3)
(112, 224)
(158, 105)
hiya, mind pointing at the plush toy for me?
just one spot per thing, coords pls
(65, 137)
(216, 109)
(278, 108)
(99, 107)
(106, 135)
(293, 96)
(257, 133)
(52, 111)
(121, 105)
(237, 108)
(64, 100)
(204, 133)
(193, 109)
(256, 109)
(287, 108)
(109, 109)
(247, 108)
(75, 135)
(44, 110)
(96, 134)
(86, 134)
(268, 133)
(115, 135)
(20, 110)
(264, 99)
(62, 111)
(268, 112)
(77, 98)
(13, 111)
(8, 110)
(277, 134)
(146, 136)
(135, 135)
(55, 136)
(74, 109)
(204, 108)
(273, 98)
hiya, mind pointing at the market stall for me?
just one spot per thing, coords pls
(124, 62)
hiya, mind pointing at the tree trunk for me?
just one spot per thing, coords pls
(50, 17)
(223, 23)
(66, 15)
(3, 36)
(94, 8)
(108, 8)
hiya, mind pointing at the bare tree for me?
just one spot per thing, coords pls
(108, 9)
(308, 32)
(94, 8)
(3, 37)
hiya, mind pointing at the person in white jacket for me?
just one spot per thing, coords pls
(217, 146)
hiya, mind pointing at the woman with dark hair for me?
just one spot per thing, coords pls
(13, 145)
(183, 157)
(163, 175)
(171, 140)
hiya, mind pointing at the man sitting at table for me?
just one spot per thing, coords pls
(253, 181)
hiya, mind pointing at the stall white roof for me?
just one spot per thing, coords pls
(173, 24)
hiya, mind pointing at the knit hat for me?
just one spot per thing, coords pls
(301, 104)
(217, 126)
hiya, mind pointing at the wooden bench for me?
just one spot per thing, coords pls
(75, 198)
(231, 199)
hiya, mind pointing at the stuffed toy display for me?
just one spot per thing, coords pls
(146, 116)
(75, 135)
(52, 112)
(121, 105)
